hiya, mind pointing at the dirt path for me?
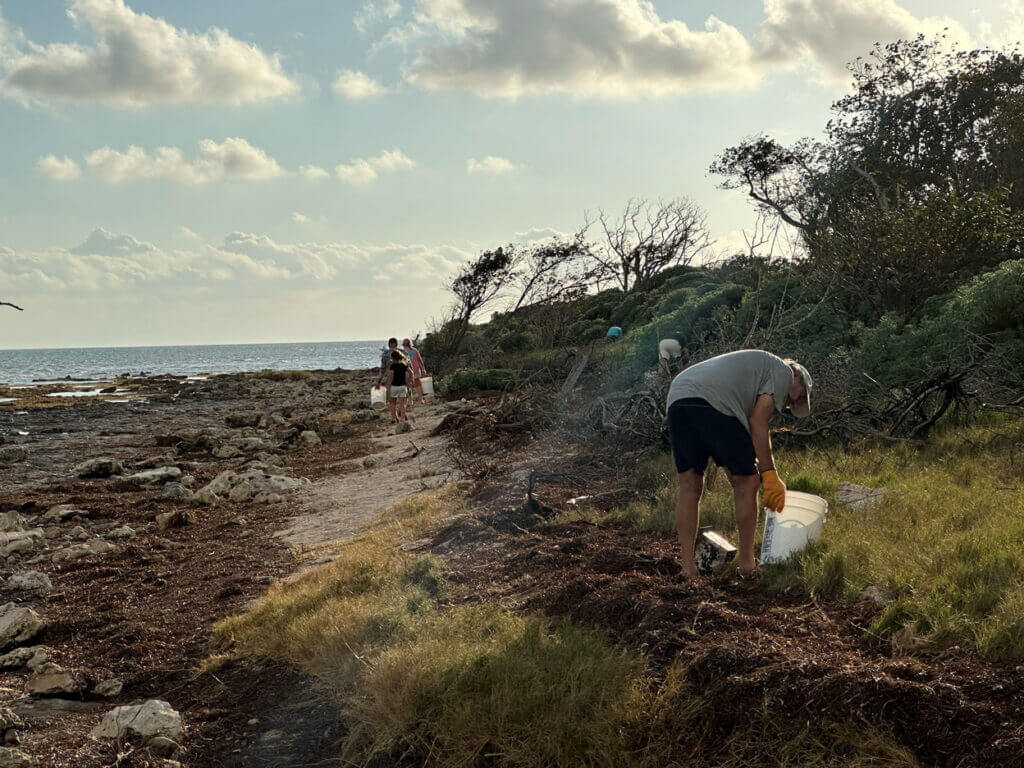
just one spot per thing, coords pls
(397, 465)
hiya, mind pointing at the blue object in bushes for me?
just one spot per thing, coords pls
(614, 332)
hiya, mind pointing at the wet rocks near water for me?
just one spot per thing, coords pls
(12, 454)
(859, 496)
(147, 720)
(99, 467)
(30, 581)
(18, 624)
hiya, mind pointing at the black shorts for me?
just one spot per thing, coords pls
(699, 431)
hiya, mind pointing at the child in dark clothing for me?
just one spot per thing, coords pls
(398, 390)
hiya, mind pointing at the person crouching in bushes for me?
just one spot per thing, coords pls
(398, 389)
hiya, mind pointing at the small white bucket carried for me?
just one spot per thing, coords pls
(791, 530)
(378, 397)
(427, 382)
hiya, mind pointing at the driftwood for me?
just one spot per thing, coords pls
(8, 304)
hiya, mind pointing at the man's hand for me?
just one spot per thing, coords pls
(774, 496)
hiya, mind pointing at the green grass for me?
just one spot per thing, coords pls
(948, 540)
(479, 685)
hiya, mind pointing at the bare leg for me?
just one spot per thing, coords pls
(744, 493)
(392, 406)
(691, 485)
(401, 408)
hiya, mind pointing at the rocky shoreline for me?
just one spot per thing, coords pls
(128, 528)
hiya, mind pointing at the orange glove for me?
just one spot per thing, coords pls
(774, 496)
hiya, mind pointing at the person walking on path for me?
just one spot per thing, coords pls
(398, 389)
(720, 409)
(385, 360)
(419, 370)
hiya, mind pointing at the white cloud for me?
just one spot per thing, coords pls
(538, 234)
(138, 60)
(59, 168)
(313, 172)
(357, 86)
(100, 242)
(367, 169)
(622, 49)
(301, 218)
(186, 233)
(233, 159)
(373, 12)
(490, 165)
(832, 33)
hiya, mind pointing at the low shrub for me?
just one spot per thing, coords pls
(466, 381)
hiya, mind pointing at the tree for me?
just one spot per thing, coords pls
(477, 285)
(559, 270)
(647, 239)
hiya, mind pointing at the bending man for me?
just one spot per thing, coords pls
(720, 409)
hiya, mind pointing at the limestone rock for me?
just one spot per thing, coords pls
(108, 688)
(402, 427)
(176, 492)
(877, 595)
(15, 758)
(857, 496)
(161, 746)
(78, 533)
(102, 466)
(175, 519)
(19, 541)
(70, 554)
(156, 476)
(16, 659)
(8, 720)
(310, 438)
(222, 483)
(11, 520)
(122, 533)
(30, 581)
(101, 547)
(63, 512)
(206, 497)
(146, 720)
(12, 454)
(53, 680)
(17, 624)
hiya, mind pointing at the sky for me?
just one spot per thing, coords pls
(209, 171)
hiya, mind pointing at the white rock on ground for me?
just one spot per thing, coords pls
(309, 437)
(30, 581)
(33, 657)
(11, 520)
(123, 532)
(52, 679)
(108, 688)
(62, 512)
(206, 497)
(15, 758)
(856, 496)
(156, 476)
(17, 624)
(19, 541)
(151, 718)
(176, 492)
(102, 466)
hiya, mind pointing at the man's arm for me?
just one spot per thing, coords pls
(764, 406)
(774, 489)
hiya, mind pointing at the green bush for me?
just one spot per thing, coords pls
(518, 341)
(466, 381)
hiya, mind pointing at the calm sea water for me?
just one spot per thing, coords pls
(21, 366)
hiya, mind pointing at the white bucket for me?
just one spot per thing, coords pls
(378, 397)
(427, 382)
(791, 530)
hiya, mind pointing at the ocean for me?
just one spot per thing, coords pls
(23, 366)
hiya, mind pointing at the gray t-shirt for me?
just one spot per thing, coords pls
(732, 382)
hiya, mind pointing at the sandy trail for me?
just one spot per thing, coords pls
(338, 506)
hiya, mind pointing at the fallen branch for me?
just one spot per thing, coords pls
(8, 304)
